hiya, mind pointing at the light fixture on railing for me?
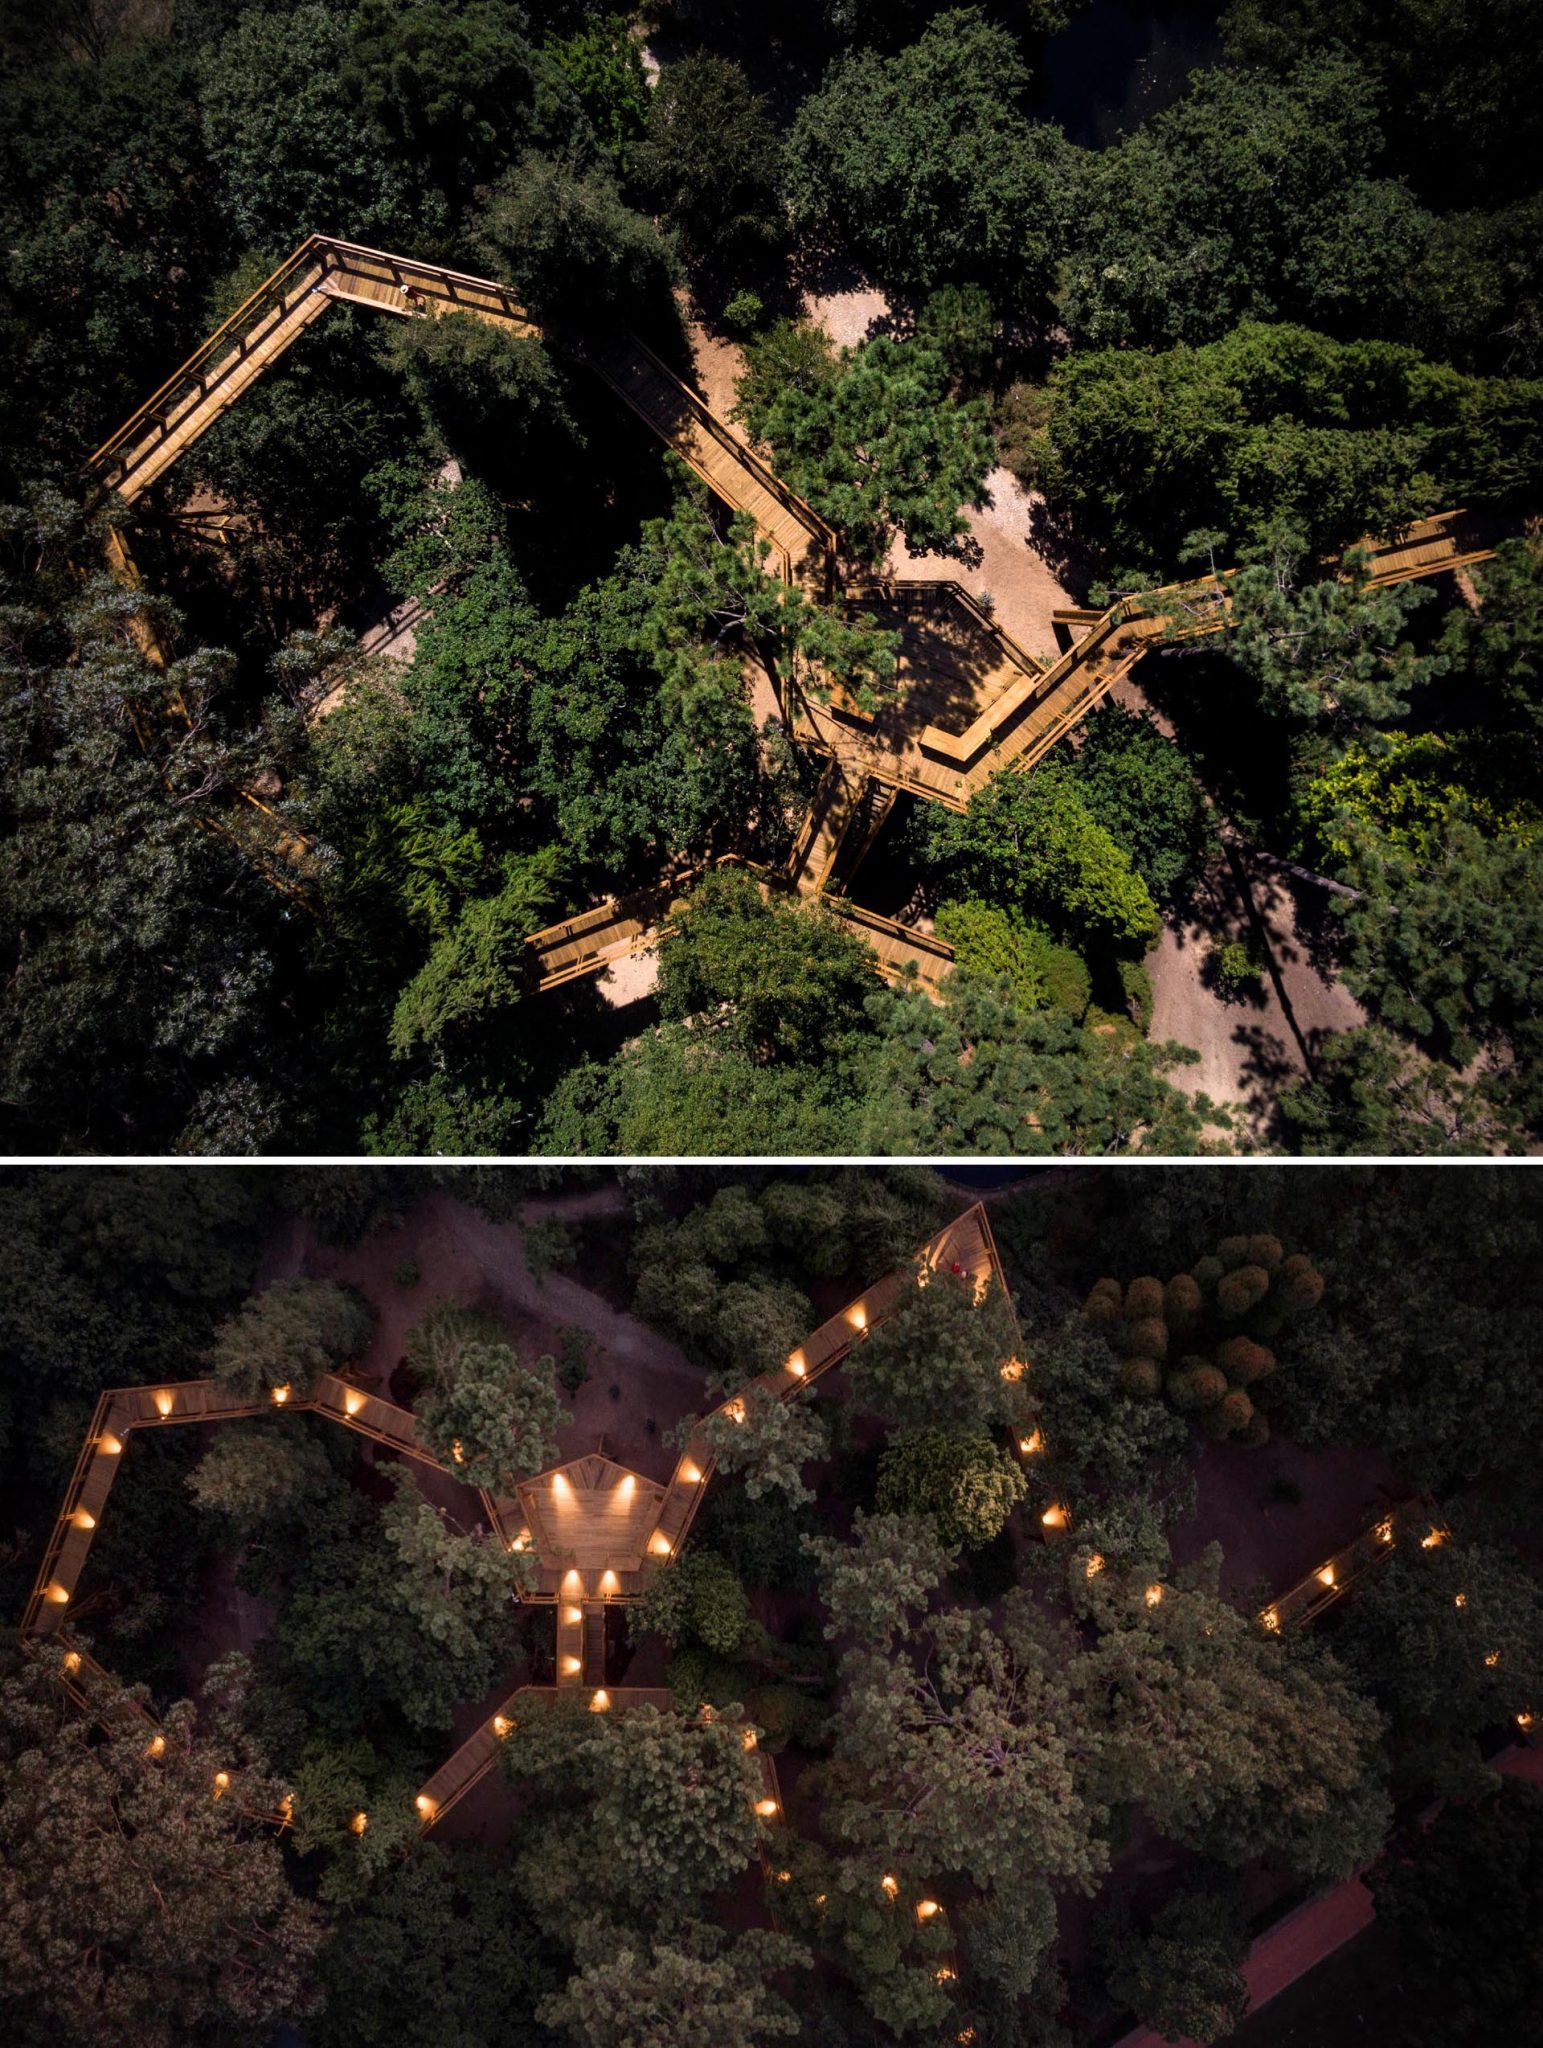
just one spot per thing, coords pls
(600, 1701)
(280, 1395)
(691, 1473)
(501, 1725)
(1153, 1595)
(82, 1520)
(353, 1401)
(1325, 1575)
(359, 1823)
(766, 1808)
(1054, 1516)
(1271, 1620)
(890, 1884)
(797, 1365)
(1095, 1565)
(164, 1402)
(425, 1806)
(109, 1445)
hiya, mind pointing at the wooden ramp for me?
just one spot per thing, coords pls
(802, 545)
(814, 851)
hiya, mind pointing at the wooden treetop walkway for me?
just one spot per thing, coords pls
(1003, 707)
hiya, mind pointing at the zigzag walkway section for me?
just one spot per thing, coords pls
(593, 1529)
(955, 659)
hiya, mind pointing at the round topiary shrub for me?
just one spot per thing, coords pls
(1141, 1378)
(1196, 1385)
(1146, 1338)
(1206, 1273)
(1233, 1251)
(1182, 1300)
(1143, 1297)
(1236, 1410)
(1104, 1307)
(1265, 1251)
(1257, 1432)
(1238, 1291)
(1244, 1361)
(1298, 1285)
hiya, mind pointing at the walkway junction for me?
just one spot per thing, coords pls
(973, 701)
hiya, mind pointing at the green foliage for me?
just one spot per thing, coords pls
(977, 1074)
(603, 64)
(288, 1334)
(549, 1245)
(569, 245)
(779, 983)
(710, 159)
(477, 969)
(940, 1350)
(696, 1598)
(874, 1587)
(1273, 423)
(1371, 1093)
(1462, 1897)
(1034, 844)
(1139, 786)
(1250, 198)
(477, 384)
(126, 1934)
(768, 1441)
(922, 168)
(1004, 945)
(257, 1471)
(480, 1967)
(1181, 1977)
(963, 1482)
(1456, 966)
(870, 439)
(693, 1988)
(492, 1419)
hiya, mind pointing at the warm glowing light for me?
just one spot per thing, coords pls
(735, 1409)
(58, 1594)
(164, 1402)
(659, 1543)
(1385, 1531)
(1054, 1516)
(425, 1806)
(72, 1660)
(82, 1520)
(573, 1614)
(627, 1485)
(522, 1541)
(1429, 1542)
(692, 1474)
(609, 1583)
(944, 1973)
(501, 1725)
(600, 1701)
(573, 1585)
(156, 1746)
(1015, 1368)
(1031, 1444)
(109, 1444)
(280, 1396)
(926, 1908)
(221, 1784)
(353, 1401)
(1095, 1565)
(287, 1808)
(1524, 1720)
(560, 1485)
(457, 1453)
(784, 1877)
(1271, 1620)
(1153, 1596)
(819, 1898)
(859, 1317)
(1459, 1599)
(570, 1665)
(750, 1738)
(1492, 1659)
(890, 1885)
(1325, 1576)
(966, 2036)
(798, 1365)
(766, 1808)
(359, 1823)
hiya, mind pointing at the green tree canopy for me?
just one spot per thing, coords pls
(923, 167)
(494, 1420)
(288, 1334)
(712, 161)
(965, 1484)
(940, 1350)
(874, 443)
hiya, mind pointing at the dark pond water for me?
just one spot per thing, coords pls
(1121, 60)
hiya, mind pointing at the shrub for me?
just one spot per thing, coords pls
(1299, 1286)
(1265, 1251)
(1207, 1271)
(1233, 1252)
(1257, 1432)
(1068, 981)
(1141, 1377)
(573, 1358)
(1235, 1410)
(744, 312)
(1182, 1300)
(1244, 1361)
(1238, 1291)
(1147, 1337)
(1196, 1385)
(407, 1273)
(1144, 1297)
(1137, 985)
(1104, 1307)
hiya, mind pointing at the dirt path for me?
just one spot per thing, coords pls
(640, 1384)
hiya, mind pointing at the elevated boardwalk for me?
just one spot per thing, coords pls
(973, 701)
